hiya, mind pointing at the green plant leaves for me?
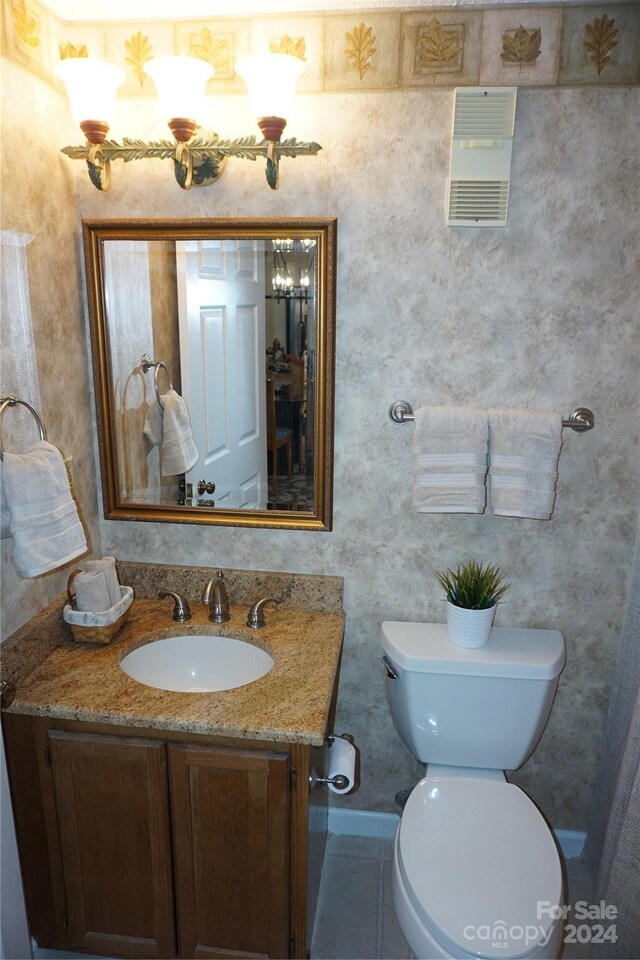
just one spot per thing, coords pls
(473, 585)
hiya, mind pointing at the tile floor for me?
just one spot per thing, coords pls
(355, 918)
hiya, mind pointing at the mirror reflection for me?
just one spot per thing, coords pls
(211, 341)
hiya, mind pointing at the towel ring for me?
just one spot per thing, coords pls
(146, 363)
(5, 403)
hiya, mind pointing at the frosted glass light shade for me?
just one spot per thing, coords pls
(91, 88)
(180, 85)
(271, 83)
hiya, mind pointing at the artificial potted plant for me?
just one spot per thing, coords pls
(472, 590)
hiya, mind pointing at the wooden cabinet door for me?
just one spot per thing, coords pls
(112, 804)
(230, 817)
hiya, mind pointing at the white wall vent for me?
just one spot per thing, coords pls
(478, 184)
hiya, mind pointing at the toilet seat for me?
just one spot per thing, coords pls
(475, 857)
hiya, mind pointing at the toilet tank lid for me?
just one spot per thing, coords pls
(512, 652)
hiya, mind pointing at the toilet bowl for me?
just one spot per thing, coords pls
(476, 872)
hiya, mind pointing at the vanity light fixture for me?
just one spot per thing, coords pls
(91, 87)
(180, 83)
(271, 80)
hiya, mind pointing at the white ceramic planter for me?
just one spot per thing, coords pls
(469, 628)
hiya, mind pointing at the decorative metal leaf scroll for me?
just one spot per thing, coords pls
(26, 25)
(600, 34)
(437, 46)
(293, 46)
(217, 52)
(139, 52)
(521, 47)
(360, 48)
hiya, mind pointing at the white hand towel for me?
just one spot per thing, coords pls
(5, 517)
(179, 452)
(92, 592)
(450, 460)
(152, 429)
(108, 567)
(44, 519)
(524, 446)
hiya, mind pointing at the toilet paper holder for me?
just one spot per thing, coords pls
(339, 781)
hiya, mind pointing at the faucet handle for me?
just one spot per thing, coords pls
(256, 619)
(181, 611)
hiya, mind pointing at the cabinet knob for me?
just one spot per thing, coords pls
(7, 693)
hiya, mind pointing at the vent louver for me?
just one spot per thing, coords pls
(478, 203)
(485, 112)
(478, 184)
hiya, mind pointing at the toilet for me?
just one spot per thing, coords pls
(475, 871)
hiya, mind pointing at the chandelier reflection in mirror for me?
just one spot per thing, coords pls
(292, 266)
(198, 157)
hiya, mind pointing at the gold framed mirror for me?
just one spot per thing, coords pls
(213, 351)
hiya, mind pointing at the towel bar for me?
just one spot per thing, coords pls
(5, 403)
(580, 419)
(146, 363)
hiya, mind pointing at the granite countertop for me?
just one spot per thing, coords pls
(289, 704)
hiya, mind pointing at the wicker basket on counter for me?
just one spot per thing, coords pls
(96, 627)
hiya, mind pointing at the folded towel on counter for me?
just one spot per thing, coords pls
(43, 517)
(450, 460)
(179, 452)
(92, 591)
(107, 566)
(524, 446)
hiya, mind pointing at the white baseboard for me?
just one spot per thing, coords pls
(571, 842)
(362, 823)
(370, 823)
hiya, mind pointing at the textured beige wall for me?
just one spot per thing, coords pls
(38, 198)
(541, 313)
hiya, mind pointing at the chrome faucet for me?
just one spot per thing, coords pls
(256, 619)
(215, 594)
(181, 612)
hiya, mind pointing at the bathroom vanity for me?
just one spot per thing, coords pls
(160, 824)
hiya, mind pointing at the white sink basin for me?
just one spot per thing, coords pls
(197, 664)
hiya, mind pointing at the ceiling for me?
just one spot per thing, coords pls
(101, 10)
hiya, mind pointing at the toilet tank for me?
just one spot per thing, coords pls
(480, 707)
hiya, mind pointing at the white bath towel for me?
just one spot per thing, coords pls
(450, 460)
(108, 567)
(92, 591)
(179, 452)
(44, 520)
(524, 446)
